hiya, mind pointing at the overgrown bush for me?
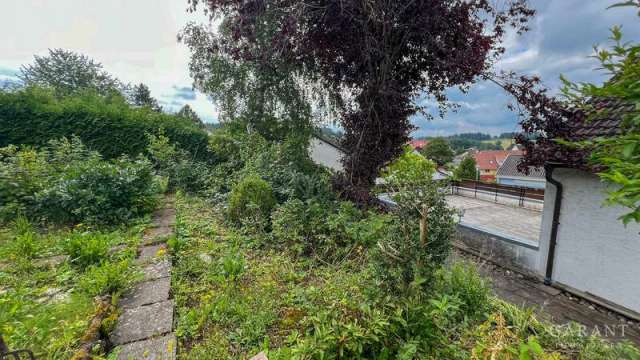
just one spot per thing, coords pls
(180, 169)
(419, 240)
(34, 116)
(67, 183)
(251, 195)
(106, 278)
(87, 248)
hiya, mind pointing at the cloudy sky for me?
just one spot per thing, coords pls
(136, 41)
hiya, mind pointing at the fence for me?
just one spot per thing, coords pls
(508, 195)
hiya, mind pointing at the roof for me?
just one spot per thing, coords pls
(510, 168)
(418, 144)
(492, 159)
(606, 122)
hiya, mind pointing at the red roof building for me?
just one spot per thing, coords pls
(488, 162)
(418, 144)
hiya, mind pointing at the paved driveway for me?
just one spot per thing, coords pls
(517, 223)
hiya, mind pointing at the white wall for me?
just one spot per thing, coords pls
(325, 154)
(595, 253)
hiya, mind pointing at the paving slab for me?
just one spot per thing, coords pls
(160, 348)
(51, 261)
(152, 253)
(143, 322)
(157, 235)
(554, 305)
(164, 218)
(157, 270)
(147, 292)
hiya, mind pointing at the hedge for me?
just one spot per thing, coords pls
(110, 126)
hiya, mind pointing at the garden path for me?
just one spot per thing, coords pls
(144, 329)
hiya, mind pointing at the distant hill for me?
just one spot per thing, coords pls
(481, 141)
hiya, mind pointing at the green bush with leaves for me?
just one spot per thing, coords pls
(181, 170)
(109, 125)
(87, 248)
(251, 194)
(419, 239)
(67, 183)
(107, 278)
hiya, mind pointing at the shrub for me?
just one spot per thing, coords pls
(25, 242)
(87, 248)
(420, 239)
(67, 183)
(34, 116)
(252, 194)
(462, 281)
(177, 165)
(106, 278)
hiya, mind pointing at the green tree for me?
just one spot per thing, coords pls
(68, 72)
(466, 169)
(618, 155)
(439, 151)
(141, 96)
(188, 113)
(268, 99)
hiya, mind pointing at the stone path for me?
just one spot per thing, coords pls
(498, 219)
(145, 327)
(555, 305)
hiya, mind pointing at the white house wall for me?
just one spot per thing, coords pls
(595, 253)
(323, 153)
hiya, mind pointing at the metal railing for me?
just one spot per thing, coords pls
(521, 194)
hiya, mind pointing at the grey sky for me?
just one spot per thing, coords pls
(136, 42)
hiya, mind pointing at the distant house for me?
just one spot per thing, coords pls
(584, 247)
(508, 174)
(488, 162)
(418, 145)
(326, 152)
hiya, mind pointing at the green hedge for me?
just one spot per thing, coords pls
(110, 126)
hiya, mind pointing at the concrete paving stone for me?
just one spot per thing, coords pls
(157, 235)
(164, 218)
(157, 270)
(50, 261)
(159, 348)
(147, 292)
(152, 253)
(143, 323)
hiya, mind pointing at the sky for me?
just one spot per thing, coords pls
(136, 42)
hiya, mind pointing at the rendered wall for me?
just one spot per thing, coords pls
(595, 253)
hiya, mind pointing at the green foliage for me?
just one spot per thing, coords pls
(106, 278)
(618, 155)
(188, 113)
(467, 169)
(140, 96)
(409, 168)
(270, 100)
(439, 151)
(418, 240)
(87, 248)
(33, 116)
(67, 72)
(251, 194)
(177, 165)
(66, 183)
(330, 231)
(25, 243)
